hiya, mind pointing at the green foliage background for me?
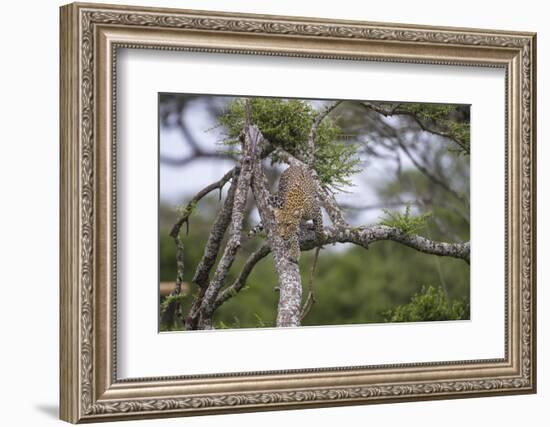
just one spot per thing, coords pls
(352, 285)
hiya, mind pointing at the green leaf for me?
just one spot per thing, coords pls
(406, 222)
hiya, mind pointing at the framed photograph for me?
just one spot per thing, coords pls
(268, 212)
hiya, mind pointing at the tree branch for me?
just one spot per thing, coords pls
(363, 236)
(234, 242)
(396, 111)
(288, 271)
(329, 203)
(240, 281)
(214, 240)
(310, 300)
(175, 234)
(212, 249)
(310, 159)
(172, 307)
(216, 234)
(431, 176)
(193, 202)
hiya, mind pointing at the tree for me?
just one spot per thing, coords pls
(294, 133)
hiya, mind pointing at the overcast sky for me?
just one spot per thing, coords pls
(178, 184)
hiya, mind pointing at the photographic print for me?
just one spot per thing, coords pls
(301, 212)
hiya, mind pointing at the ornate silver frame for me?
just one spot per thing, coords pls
(90, 35)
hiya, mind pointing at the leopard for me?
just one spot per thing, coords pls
(295, 203)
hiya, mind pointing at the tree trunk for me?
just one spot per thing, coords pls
(288, 271)
(290, 290)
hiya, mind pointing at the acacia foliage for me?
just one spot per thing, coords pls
(286, 123)
(406, 222)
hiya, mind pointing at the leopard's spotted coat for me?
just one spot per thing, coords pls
(296, 202)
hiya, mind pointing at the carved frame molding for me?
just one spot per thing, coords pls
(90, 36)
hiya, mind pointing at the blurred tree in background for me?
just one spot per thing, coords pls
(397, 164)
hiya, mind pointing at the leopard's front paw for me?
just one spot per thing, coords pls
(294, 252)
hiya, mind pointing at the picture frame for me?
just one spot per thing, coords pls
(91, 35)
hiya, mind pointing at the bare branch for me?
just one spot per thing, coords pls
(192, 319)
(175, 234)
(211, 251)
(310, 300)
(212, 246)
(288, 271)
(390, 132)
(171, 308)
(205, 191)
(332, 208)
(431, 176)
(237, 218)
(363, 236)
(397, 111)
(216, 234)
(287, 157)
(240, 281)
(180, 265)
